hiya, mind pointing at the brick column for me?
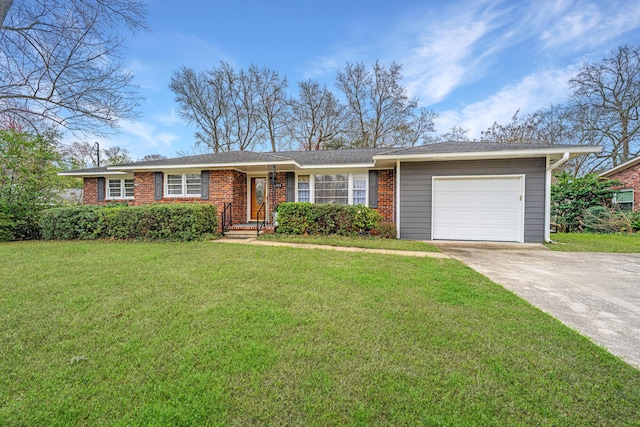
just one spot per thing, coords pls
(143, 188)
(90, 191)
(386, 192)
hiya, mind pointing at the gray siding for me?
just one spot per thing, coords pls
(415, 192)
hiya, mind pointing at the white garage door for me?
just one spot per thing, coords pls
(478, 208)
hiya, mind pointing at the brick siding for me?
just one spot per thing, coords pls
(386, 191)
(143, 188)
(231, 186)
(91, 191)
(630, 178)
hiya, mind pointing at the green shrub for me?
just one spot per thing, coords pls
(295, 218)
(148, 222)
(599, 219)
(572, 196)
(634, 219)
(19, 221)
(325, 219)
(386, 230)
(7, 226)
(28, 182)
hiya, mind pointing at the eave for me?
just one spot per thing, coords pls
(485, 155)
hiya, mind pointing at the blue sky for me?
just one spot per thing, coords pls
(473, 62)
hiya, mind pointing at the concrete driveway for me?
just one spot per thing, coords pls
(597, 294)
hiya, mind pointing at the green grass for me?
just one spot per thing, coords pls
(116, 333)
(356, 242)
(585, 242)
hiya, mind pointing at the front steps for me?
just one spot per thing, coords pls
(246, 231)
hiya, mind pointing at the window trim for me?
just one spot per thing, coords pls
(310, 189)
(615, 202)
(312, 185)
(123, 191)
(183, 185)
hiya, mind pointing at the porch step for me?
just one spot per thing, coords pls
(246, 231)
(240, 234)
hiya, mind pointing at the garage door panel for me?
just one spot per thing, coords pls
(478, 208)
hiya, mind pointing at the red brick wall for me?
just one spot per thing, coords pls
(91, 191)
(386, 191)
(630, 178)
(143, 188)
(229, 186)
(144, 191)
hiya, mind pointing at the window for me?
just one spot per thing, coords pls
(623, 199)
(304, 188)
(184, 185)
(332, 189)
(120, 189)
(341, 188)
(359, 189)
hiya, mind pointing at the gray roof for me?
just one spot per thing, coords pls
(470, 146)
(356, 156)
(337, 157)
(223, 157)
(323, 157)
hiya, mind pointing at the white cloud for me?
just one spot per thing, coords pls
(533, 92)
(587, 24)
(146, 135)
(450, 50)
(169, 119)
(199, 52)
(137, 137)
(441, 63)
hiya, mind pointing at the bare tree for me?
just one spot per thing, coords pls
(231, 110)
(556, 124)
(62, 64)
(521, 130)
(381, 113)
(79, 154)
(607, 94)
(116, 156)
(151, 157)
(86, 154)
(317, 117)
(272, 101)
(202, 101)
(245, 110)
(456, 133)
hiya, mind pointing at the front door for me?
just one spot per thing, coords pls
(258, 197)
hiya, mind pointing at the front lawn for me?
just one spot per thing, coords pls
(117, 333)
(356, 242)
(587, 242)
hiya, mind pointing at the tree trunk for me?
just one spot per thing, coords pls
(624, 139)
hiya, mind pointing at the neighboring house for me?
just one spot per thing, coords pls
(628, 196)
(445, 191)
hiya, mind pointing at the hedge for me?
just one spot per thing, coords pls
(148, 222)
(310, 218)
(18, 221)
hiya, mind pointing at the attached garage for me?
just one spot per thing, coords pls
(478, 208)
(482, 200)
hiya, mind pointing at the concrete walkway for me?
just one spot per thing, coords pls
(335, 248)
